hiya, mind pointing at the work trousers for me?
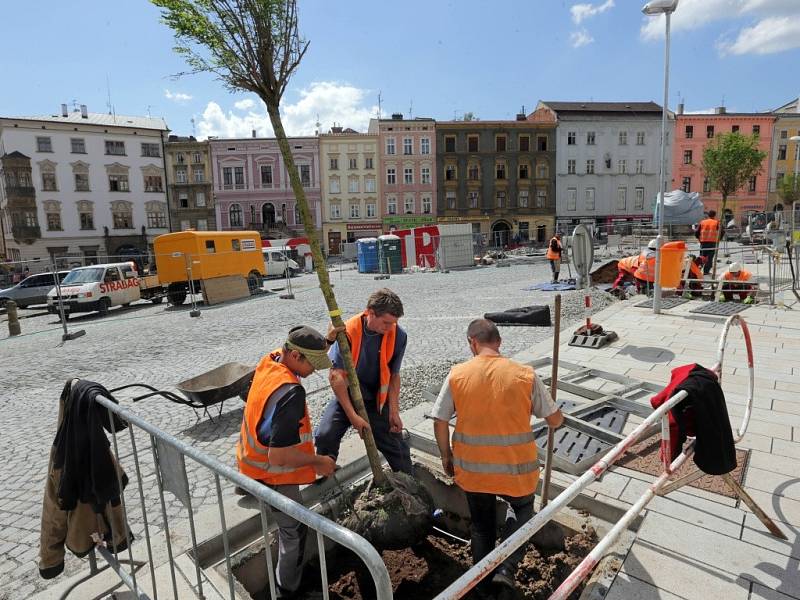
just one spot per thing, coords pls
(555, 267)
(291, 543)
(334, 424)
(743, 290)
(623, 277)
(709, 250)
(483, 512)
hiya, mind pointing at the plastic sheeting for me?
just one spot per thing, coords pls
(681, 208)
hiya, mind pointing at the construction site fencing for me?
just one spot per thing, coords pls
(523, 535)
(783, 263)
(174, 468)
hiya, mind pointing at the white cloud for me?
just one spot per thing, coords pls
(581, 12)
(244, 104)
(327, 101)
(773, 25)
(178, 97)
(580, 38)
(768, 36)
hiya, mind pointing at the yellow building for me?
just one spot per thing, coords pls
(785, 159)
(349, 179)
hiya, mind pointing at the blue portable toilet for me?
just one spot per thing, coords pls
(367, 255)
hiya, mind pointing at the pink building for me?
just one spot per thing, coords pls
(406, 170)
(694, 132)
(252, 187)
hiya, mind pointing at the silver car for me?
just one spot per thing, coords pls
(31, 290)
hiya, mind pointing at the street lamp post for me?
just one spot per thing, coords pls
(796, 140)
(653, 9)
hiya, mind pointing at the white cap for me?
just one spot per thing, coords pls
(735, 267)
(652, 245)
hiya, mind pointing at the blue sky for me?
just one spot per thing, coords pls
(442, 58)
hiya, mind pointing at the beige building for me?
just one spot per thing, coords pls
(189, 181)
(785, 154)
(349, 172)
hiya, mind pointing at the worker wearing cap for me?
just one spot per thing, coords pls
(708, 234)
(736, 280)
(553, 255)
(646, 270)
(493, 447)
(275, 445)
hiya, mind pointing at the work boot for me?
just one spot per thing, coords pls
(504, 577)
(749, 300)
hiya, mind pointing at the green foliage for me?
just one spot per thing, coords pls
(789, 189)
(730, 161)
(250, 45)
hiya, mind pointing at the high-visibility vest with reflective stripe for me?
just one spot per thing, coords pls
(629, 264)
(695, 272)
(553, 254)
(742, 276)
(709, 230)
(252, 455)
(355, 331)
(494, 449)
(646, 271)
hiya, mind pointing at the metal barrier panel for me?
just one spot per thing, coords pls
(168, 472)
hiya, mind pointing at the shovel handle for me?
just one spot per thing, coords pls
(548, 464)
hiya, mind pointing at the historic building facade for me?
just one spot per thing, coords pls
(191, 196)
(784, 154)
(80, 187)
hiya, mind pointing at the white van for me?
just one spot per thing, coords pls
(277, 262)
(96, 288)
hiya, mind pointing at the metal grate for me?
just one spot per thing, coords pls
(723, 309)
(666, 303)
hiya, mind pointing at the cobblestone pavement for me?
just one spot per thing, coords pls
(161, 346)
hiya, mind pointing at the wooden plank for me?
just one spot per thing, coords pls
(223, 289)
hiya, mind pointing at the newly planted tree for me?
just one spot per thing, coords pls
(729, 162)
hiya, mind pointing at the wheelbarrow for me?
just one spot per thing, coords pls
(204, 390)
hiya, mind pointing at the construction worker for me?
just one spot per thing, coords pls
(646, 271)
(275, 444)
(694, 281)
(377, 344)
(709, 235)
(493, 448)
(736, 280)
(554, 249)
(626, 271)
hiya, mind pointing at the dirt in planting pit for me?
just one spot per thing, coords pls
(426, 569)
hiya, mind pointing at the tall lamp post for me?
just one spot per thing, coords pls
(653, 9)
(796, 140)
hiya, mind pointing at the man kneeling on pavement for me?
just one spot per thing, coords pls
(275, 445)
(736, 280)
(493, 447)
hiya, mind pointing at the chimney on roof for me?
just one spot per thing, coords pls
(397, 116)
(720, 110)
(84, 112)
(336, 129)
(680, 108)
(254, 133)
(64, 112)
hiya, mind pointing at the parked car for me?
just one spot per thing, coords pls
(31, 290)
(96, 288)
(277, 262)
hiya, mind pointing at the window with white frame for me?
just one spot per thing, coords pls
(353, 185)
(622, 198)
(370, 210)
(200, 199)
(391, 176)
(408, 175)
(542, 171)
(590, 166)
(623, 138)
(571, 137)
(427, 204)
(49, 179)
(590, 138)
(450, 199)
(197, 157)
(409, 204)
(639, 166)
(368, 163)
(52, 211)
(425, 174)
(523, 198)
(199, 174)
(235, 215)
(122, 214)
(571, 166)
(266, 175)
(336, 210)
(227, 177)
(500, 169)
(622, 166)
(391, 205)
(78, 145)
(425, 145)
(334, 164)
(115, 148)
(541, 198)
(183, 199)
(180, 159)
(305, 175)
(202, 224)
(472, 198)
(450, 172)
(181, 175)
(355, 209)
(589, 199)
(390, 146)
(153, 183)
(408, 146)
(369, 185)
(156, 215)
(238, 177)
(152, 150)
(44, 144)
(333, 185)
(572, 199)
(118, 183)
(640, 138)
(500, 199)
(353, 163)
(638, 199)
(86, 214)
(82, 182)
(185, 224)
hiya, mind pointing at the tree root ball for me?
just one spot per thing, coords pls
(397, 516)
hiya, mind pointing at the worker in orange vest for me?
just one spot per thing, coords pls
(626, 271)
(275, 445)
(554, 250)
(708, 232)
(736, 280)
(646, 271)
(493, 448)
(696, 264)
(378, 345)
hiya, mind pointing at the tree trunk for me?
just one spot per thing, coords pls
(325, 285)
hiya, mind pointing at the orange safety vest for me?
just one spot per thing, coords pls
(709, 230)
(494, 449)
(355, 329)
(553, 254)
(629, 264)
(741, 277)
(252, 455)
(646, 271)
(695, 272)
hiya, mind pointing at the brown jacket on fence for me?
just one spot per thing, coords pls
(74, 528)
